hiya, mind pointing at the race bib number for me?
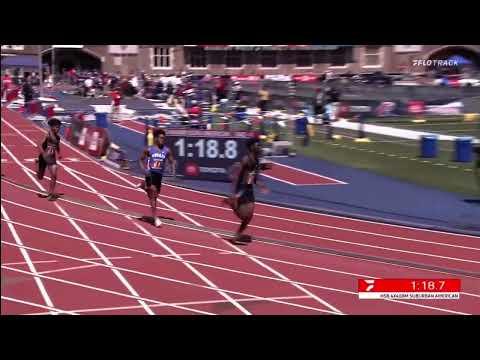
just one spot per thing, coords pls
(156, 164)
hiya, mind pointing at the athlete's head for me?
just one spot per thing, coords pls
(54, 124)
(253, 146)
(159, 136)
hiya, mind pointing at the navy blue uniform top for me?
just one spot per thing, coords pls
(248, 175)
(51, 145)
(156, 159)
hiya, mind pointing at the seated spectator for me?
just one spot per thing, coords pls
(134, 82)
(169, 89)
(264, 96)
(88, 85)
(195, 110)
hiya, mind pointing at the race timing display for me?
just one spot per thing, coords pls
(206, 154)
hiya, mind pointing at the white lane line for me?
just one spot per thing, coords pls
(33, 270)
(69, 269)
(79, 230)
(33, 262)
(258, 262)
(160, 278)
(54, 261)
(52, 309)
(111, 258)
(325, 184)
(164, 246)
(277, 179)
(190, 303)
(85, 286)
(181, 255)
(310, 173)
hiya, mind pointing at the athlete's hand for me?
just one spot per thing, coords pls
(264, 190)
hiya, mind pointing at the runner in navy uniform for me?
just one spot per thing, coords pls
(242, 201)
(152, 162)
(47, 156)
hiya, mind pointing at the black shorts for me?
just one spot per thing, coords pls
(154, 179)
(247, 195)
(42, 165)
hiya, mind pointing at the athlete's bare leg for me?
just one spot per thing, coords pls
(153, 195)
(142, 185)
(245, 214)
(53, 181)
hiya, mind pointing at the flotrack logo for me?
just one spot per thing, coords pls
(421, 62)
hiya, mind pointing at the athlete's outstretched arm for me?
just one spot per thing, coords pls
(173, 163)
(58, 151)
(40, 146)
(141, 161)
(238, 179)
(263, 188)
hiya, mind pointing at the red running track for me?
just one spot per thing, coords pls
(89, 261)
(280, 172)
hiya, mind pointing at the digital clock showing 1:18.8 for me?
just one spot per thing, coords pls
(200, 148)
(207, 154)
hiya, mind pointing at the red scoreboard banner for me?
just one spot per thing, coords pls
(409, 289)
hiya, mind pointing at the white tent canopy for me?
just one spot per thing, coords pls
(67, 46)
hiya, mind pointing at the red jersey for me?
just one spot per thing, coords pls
(6, 82)
(116, 97)
(195, 111)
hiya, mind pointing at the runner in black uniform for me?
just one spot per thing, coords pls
(243, 200)
(47, 156)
